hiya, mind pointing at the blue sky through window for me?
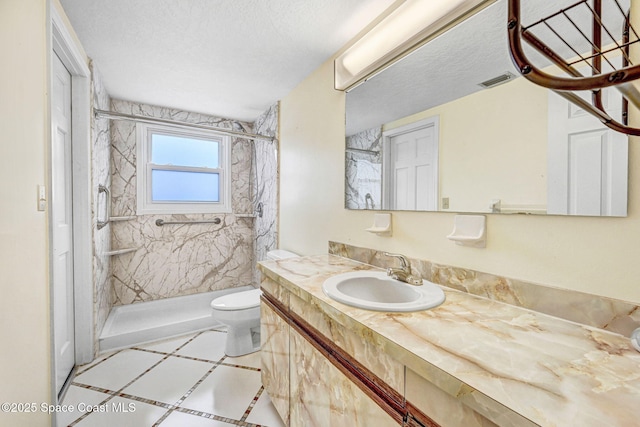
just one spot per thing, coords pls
(184, 151)
(179, 186)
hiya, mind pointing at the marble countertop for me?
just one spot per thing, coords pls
(521, 366)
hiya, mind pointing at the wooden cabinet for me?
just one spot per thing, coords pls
(311, 371)
(321, 395)
(274, 355)
(443, 408)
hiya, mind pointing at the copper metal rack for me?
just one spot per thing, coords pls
(567, 86)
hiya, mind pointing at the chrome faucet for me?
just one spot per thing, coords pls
(404, 272)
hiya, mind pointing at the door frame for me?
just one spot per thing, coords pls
(433, 121)
(63, 43)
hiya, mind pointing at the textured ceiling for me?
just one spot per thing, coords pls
(229, 58)
(452, 65)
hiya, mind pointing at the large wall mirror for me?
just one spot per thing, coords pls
(452, 127)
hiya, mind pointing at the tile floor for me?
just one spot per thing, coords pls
(186, 381)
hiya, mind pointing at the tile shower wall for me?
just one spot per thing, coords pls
(266, 185)
(100, 159)
(175, 260)
(363, 170)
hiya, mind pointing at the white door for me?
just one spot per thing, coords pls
(587, 162)
(61, 224)
(412, 175)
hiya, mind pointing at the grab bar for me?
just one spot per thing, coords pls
(160, 222)
(120, 251)
(107, 213)
(122, 218)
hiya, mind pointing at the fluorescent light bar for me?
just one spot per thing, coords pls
(411, 24)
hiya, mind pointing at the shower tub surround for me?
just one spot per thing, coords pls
(175, 260)
(471, 362)
(134, 324)
(266, 185)
(100, 162)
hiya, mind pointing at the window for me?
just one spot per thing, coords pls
(182, 170)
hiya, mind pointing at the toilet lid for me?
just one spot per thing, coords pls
(238, 300)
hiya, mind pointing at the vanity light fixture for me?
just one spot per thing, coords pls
(411, 24)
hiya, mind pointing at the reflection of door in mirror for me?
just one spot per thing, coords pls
(410, 176)
(587, 163)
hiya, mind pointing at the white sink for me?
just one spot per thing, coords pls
(374, 290)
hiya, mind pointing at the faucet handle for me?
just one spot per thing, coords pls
(403, 260)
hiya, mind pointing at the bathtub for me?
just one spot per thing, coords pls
(135, 324)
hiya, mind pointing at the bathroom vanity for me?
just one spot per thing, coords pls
(469, 362)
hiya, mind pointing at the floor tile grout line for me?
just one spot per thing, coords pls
(197, 334)
(248, 368)
(252, 404)
(139, 349)
(97, 363)
(210, 416)
(125, 395)
(112, 394)
(198, 359)
(153, 402)
(188, 392)
(86, 414)
(146, 350)
(188, 341)
(163, 417)
(182, 356)
(176, 406)
(93, 388)
(171, 407)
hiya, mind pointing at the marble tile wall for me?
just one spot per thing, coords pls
(100, 159)
(363, 170)
(266, 185)
(178, 259)
(605, 313)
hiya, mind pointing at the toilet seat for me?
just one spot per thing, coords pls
(237, 301)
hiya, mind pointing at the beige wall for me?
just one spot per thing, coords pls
(492, 146)
(594, 255)
(24, 278)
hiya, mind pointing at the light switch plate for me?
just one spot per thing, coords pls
(42, 198)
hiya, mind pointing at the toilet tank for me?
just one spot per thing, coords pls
(280, 254)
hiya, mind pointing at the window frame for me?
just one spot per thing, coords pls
(144, 169)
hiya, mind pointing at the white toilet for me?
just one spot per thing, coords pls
(240, 311)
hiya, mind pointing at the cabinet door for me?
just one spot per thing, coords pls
(441, 408)
(274, 337)
(322, 396)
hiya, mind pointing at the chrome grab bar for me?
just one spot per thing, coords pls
(107, 211)
(161, 222)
